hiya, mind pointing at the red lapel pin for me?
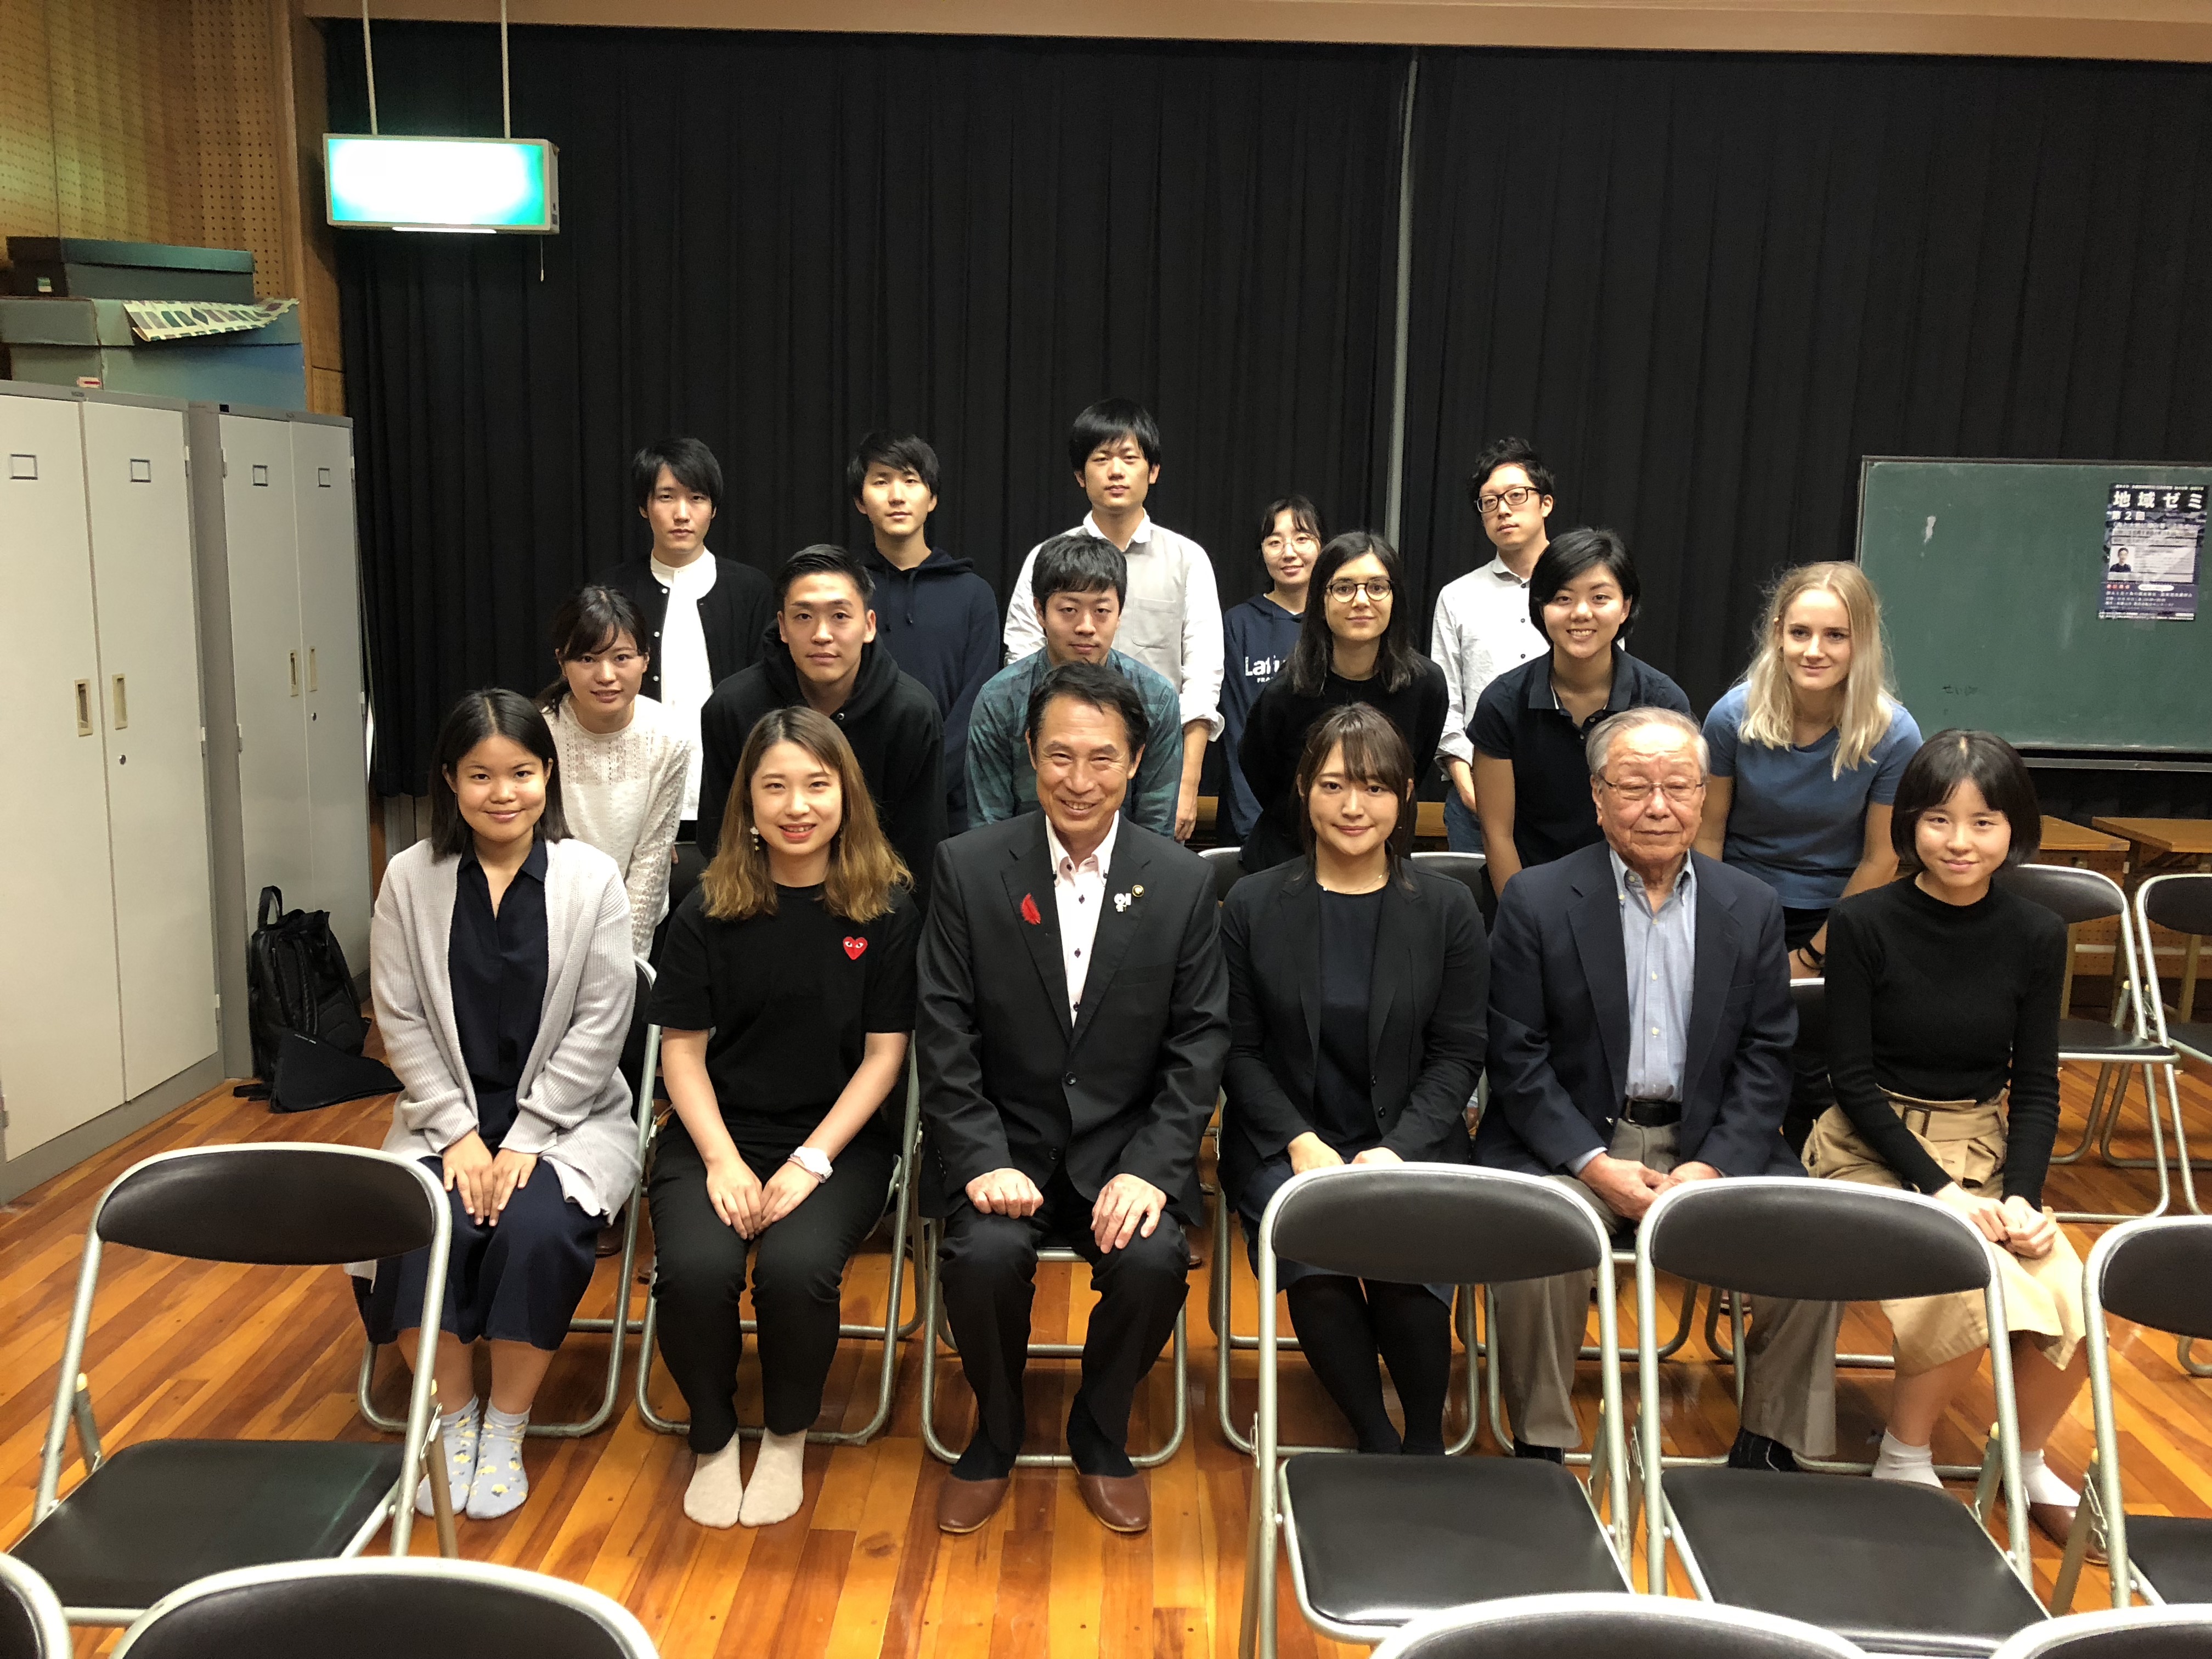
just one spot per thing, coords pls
(854, 947)
(1030, 911)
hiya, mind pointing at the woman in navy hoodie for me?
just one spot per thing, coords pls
(935, 617)
(1258, 635)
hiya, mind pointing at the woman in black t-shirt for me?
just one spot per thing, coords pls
(785, 997)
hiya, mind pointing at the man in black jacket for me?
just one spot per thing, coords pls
(1072, 1030)
(1640, 1030)
(828, 660)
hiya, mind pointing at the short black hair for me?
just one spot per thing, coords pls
(690, 462)
(900, 450)
(493, 712)
(1078, 562)
(1509, 452)
(1108, 419)
(1571, 554)
(1095, 684)
(1957, 755)
(824, 559)
(589, 622)
(1303, 514)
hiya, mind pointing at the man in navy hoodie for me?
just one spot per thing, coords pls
(934, 615)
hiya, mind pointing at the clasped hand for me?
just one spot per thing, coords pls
(1629, 1188)
(2013, 1222)
(744, 1202)
(1309, 1152)
(484, 1181)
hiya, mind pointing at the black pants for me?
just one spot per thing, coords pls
(1810, 1092)
(988, 1267)
(798, 1271)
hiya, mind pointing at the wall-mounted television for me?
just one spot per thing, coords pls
(480, 185)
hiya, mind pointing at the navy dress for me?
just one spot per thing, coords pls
(520, 1280)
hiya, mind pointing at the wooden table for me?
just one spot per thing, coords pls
(2162, 845)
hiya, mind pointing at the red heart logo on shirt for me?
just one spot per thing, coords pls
(1030, 911)
(854, 947)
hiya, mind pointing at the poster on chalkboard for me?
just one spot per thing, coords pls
(2153, 534)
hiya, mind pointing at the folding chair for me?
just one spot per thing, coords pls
(617, 1329)
(2116, 1048)
(1626, 1626)
(1466, 868)
(379, 1609)
(1895, 1567)
(2137, 1633)
(1228, 865)
(905, 1236)
(2155, 1273)
(1376, 1542)
(2181, 902)
(162, 1513)
(31, 1623)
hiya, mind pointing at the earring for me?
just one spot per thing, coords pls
(753, 829)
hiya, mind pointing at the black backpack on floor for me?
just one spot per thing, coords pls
(306, 1021)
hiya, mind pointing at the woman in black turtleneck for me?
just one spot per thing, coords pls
(1942, 994)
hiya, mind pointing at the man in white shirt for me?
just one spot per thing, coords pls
(1171, 618)
(1482, 626)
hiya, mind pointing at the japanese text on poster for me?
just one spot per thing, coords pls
(2152, 533)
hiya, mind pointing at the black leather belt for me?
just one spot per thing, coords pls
(1652, 1114)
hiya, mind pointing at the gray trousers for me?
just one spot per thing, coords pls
(1790, 1395)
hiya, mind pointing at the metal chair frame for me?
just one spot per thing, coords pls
(41, 1607)
(73, 1390)
(1605, 1613)
(2153, 1002)
(1273, 1518)
(617, 1329)
(2081, 1632)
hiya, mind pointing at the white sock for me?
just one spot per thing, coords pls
(778, 1485)
(2039, 1486)
(717, 1489)
(457, 1430)
(501, 1484)
(1899, 1462)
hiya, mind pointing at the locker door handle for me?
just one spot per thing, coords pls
(313, 679)
(295, 657)
(122, 705)
(84, 708)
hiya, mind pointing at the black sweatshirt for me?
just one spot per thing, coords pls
(891, 721)
(1947, 1002)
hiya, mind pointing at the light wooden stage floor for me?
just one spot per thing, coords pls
(185, 1348)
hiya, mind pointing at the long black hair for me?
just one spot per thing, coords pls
(588, 622)
(493, 712)
(1397, 662)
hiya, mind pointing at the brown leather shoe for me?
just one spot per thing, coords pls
(1122, 1503)
(967, 1505)
(2055, 1522)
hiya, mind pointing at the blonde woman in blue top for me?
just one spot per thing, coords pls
(1807, 750)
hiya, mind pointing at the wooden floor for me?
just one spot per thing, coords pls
(184, 1348)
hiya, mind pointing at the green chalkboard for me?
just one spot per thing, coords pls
(1991, 574)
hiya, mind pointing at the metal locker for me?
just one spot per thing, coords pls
(140, 507)
(61, 1044)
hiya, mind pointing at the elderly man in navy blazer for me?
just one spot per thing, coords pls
(1640, 1030)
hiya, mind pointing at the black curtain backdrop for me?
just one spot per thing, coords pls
(775, 242)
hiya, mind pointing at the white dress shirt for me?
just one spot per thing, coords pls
(686, 680)
(1078, 894)
(1170, 620)
(1482, 630)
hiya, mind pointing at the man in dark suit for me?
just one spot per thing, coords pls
(1072, 1031)
(1640, 1030)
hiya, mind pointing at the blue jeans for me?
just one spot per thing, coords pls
(1462, 829)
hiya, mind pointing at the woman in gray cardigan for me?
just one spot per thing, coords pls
(499, 959)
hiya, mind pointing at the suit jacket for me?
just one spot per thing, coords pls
(1425, 1016)
(734, 617)
(1007, 1080)
(1558, 1022)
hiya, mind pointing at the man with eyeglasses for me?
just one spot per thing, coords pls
(1482, 626)
(1640, 1030)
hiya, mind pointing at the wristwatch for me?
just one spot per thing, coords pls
(812, 1159)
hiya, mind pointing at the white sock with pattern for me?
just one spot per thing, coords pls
(778, 1485)
(501, 1484)
(1899, 1462)
(717, 1487)
(459, 1432)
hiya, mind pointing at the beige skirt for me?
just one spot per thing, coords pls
(1966, 1139)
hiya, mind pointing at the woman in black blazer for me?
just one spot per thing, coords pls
(1357, 983)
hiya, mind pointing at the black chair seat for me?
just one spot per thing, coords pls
(1384, 1540)
(2195, 1035)
(2173, 1552)
(155, 1517)
(1894, 1568)
(2112, 1044)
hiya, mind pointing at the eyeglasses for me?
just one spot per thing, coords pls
(1637, 793)
(1374, 588)
(1516, 498)
(1301, 541)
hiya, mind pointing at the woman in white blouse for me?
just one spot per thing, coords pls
(622, 761)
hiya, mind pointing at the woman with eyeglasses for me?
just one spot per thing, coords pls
(1259, 637)
(1355, 645)
(1531, 777)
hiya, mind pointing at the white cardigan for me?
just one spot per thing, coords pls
(572, 1105)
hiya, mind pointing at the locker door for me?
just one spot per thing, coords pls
(330, 624)
(268, 667)
(61, 1039)
(142, 571)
